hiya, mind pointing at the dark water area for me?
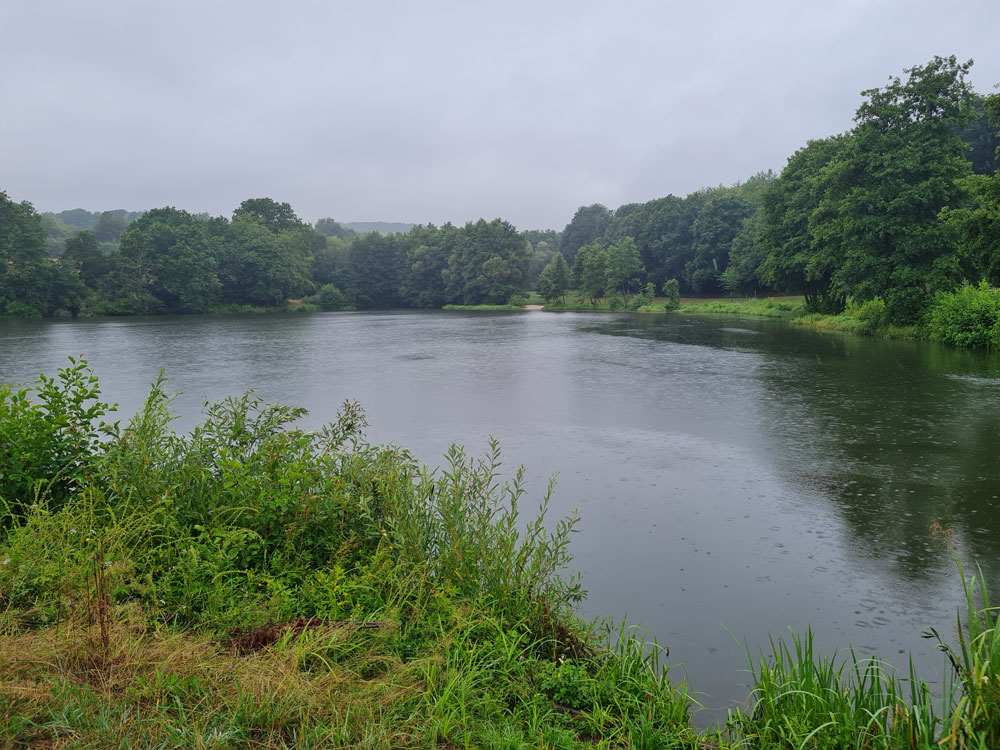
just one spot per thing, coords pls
(735, 477)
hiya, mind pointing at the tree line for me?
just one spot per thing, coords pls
(900, 207)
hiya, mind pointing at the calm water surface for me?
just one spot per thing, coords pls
(734, 477)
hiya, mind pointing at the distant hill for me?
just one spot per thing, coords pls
(81, 218)
(382, 227)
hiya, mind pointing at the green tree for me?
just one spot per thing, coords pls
(554, 280)
(272, 215)
(744, 258)
(976, 222)
(589, 224)
(166, 262)
(663, 232)
(330, 228)
(713, 231)
(903, 164)
(623, 266)
(259, 266)
(376, 263)
(23, 266)
(109, 227)
(423, 279)
(329, 263)
(590, 271)
(793, 258)
(672, 292)
(489, 264)
(86, 257)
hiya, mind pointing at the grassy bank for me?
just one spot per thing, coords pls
(483, 307)
(255, 585)
(863, 320)
(776, 307)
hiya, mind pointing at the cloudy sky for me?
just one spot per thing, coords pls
(440, 111)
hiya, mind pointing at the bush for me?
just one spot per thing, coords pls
(969, 317)
(50, 434)
(873, 315)
(328, 298)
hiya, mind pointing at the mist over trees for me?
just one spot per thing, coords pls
(904, 205)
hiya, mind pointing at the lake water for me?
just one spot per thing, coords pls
(734, 477)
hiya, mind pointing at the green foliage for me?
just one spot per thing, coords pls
(50, 435)
(781, 307)
(488, 263)
(590, 271)
(969, 317)
(643, 298)
(588, 225)
(275, 217)
(623, 266)
(377, 264)
(329, 298)
(554, 281)
(872, 314)
(262, 261)
(975, 226)
(796, 254)
(330, 228)
(976, 662)
(109, 226)
(801, 699)
(713, 231)
(672, 292)
(166, 262)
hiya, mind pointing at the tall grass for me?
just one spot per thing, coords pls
(255, 584)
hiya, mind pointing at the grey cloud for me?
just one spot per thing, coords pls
(440, 111)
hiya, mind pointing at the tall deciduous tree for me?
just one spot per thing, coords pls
(488, 265)
(589, 224)
(904, 163)
(623, 266)
(166, 262)
(718, 222)
(269, 213)
(23, 273)
(86, 257)
(555, 279)
(590, 270)
(793, 257)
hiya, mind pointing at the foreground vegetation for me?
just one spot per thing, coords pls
(255, 585)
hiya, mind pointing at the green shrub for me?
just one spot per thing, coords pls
(50, 433)
(872, 315)
(968, 317)
(672, 291)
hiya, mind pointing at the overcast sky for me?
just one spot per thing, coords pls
(426, 111)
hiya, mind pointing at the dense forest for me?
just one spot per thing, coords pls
(903, 206)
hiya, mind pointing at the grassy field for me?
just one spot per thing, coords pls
(255, 585)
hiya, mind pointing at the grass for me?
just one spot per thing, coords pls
(255, 585)
(773, 307)
(483, 307)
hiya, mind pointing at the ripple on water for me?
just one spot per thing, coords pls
(973, 379)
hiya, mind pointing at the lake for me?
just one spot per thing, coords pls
(734, 477)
